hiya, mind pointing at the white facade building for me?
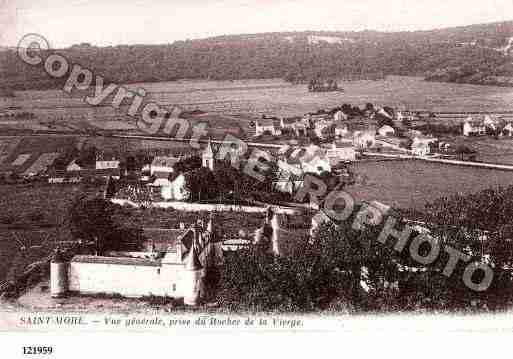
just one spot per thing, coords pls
(163, 164)
(341, 152)
(340, 116)
(266, 125)
(364, 139)
(473, 128)
(177, 273)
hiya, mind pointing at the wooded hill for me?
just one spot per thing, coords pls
(472, 54)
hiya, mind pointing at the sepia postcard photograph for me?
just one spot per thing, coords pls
(212, 174)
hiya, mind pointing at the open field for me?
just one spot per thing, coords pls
(56, 109)
(32, 214)
(488, 148)
(411, 184)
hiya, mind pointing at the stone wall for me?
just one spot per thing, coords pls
(200, 207)
(127, 280)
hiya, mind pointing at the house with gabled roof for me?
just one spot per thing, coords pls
(73, 166)
(163, 165)
(364, 139)
(341, 151)
(106, 161)
(293, 124)
(267, 125)
(341, 130)
(340, 116)
(473, 127)
(491, 122)
(317, 163)
(324, 129)
(507, 130)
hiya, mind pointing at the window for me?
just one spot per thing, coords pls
(174, 287)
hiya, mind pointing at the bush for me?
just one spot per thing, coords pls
(35, 216)
(299, 283)
(154, 300)
(8, 219)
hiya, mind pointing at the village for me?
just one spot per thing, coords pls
(317, 142)
(204, 188)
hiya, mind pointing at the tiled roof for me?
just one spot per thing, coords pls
(476, 123)
(64, 174)
(265, 122)
(161, 174)
(420, 144)
(161, 182)
(164, 161)
(290, 121)
(163, 234)
(104, 156)
(86, 173)
(115, 260)
(101, 172)
(344, 144)
(170, 238)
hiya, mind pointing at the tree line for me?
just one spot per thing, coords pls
(285, 55)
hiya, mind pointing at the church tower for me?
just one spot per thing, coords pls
(207, 157)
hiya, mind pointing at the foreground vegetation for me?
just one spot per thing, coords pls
(327, 273)
(340, 269)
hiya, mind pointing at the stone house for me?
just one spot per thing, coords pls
(473, 127)
(177, 270)
(266, 125)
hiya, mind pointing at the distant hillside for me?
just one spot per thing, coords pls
(471, 54)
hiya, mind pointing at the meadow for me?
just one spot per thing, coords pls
(413, 183)
(233, 104)
(250, 98)
(32, 215)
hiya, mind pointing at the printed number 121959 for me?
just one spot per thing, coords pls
(37, 350)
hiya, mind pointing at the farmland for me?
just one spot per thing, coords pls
(243, 100)
(489, 149)
(411, 184)
(33, 214)
(231, 105)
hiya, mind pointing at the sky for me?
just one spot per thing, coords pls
(114, 22)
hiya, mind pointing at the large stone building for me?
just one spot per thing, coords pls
(178, 270)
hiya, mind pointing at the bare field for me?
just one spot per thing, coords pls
(273, 96)
(488, 148)
(411, 184)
